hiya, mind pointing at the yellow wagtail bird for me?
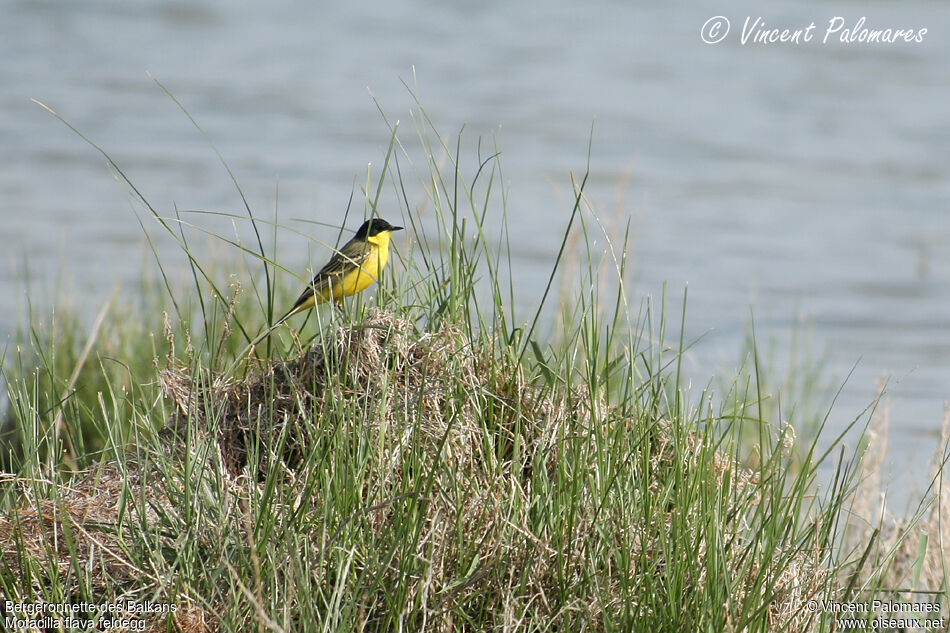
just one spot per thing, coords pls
(352, 269)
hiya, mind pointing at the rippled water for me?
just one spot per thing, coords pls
(807, 181)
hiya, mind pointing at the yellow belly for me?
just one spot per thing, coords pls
(359, 279)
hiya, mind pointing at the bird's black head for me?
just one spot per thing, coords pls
(373, 227)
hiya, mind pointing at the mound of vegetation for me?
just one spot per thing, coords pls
(386, 464)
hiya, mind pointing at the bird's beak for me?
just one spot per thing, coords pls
(397, 228)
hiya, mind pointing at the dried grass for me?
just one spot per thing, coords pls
(903, 549)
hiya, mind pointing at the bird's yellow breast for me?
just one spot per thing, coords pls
(360, 278)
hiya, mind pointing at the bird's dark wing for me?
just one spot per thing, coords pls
(353, 253)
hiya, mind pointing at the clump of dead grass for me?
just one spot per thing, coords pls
(906, 556)
(379, 368)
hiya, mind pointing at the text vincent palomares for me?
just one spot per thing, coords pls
(758, 33)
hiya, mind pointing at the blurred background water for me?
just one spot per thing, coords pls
(804, 182)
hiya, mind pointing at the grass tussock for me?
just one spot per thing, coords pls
(435, 436)
(379, 367)
(435, 463)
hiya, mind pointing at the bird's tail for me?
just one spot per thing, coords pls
(276, 325)
(294, 310)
